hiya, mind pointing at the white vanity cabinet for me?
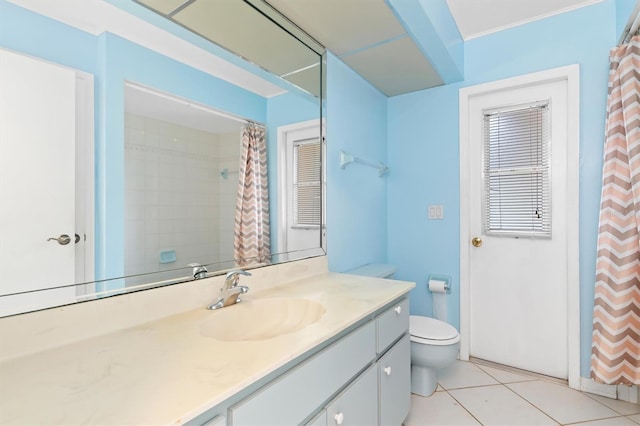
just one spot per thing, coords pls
(295, 395)
(394, 381)
(363, 378)
(358, 404)
(381, 395)
(394, 364)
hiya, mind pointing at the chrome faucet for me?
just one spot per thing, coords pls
(199, 271)
(230, 291)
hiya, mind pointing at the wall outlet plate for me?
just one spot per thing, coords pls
(436, 211)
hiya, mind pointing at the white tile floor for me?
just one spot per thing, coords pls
(476, 394)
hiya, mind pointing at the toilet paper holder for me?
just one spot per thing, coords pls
(439, 283)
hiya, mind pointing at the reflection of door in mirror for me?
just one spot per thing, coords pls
(300, 153)
(181, 177)
(46, 182)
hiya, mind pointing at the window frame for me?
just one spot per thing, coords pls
(544, 169)
(316, 184)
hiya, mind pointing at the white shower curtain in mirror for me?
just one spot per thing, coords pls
(251, 231)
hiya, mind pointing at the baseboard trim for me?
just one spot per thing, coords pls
(590, 386)
(620, 392)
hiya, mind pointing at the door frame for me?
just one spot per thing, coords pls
(85, 190)
(282, 169)
(571, 74)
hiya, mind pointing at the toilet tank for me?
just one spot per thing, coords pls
(378, 270)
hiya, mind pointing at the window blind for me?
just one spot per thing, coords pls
(517, 197)
(306, 183)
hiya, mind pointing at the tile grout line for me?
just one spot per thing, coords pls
(605, 405)
(539, 377)
(511, 390)
(478, 362)
(533, 377)
(463, 407)
(531, 403)
(593, 420)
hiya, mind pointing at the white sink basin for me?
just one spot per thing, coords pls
(261, 319)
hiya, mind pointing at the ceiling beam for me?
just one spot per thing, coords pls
(432, 27)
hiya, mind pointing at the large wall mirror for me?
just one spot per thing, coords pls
(188, 134)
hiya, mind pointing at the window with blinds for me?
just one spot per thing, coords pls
(517, 199)
(306, 183)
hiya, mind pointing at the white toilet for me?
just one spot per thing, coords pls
(434, 343)
(434, 346)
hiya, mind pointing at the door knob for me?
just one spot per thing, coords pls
(63, 239)
(476, 241)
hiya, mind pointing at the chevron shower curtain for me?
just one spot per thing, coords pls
(615, 352)
(251, 231)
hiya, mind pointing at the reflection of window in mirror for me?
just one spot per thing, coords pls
(305, 161)
(181, 175)
(300, 153)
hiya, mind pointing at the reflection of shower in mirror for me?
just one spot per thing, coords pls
(226, 172)
(175, 197)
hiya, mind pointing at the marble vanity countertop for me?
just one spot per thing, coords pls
(167, 371)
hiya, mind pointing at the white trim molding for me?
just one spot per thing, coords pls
(283, 211)
(620, 392)
(571, 74)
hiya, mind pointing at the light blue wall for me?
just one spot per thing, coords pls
(356, 196)
(624, 8)
(424, 152)
(36, 35)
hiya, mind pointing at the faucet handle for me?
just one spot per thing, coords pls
(232, 277)
(199, 271)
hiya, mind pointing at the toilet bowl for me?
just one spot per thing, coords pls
(434, 343)
(434, 346)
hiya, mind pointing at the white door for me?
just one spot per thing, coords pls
(518, 281)
(37, 182)
(298, 145)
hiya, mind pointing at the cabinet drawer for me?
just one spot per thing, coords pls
(394, 370)
(319, 420)
(358, 404)
(392, 324)
(296, 394)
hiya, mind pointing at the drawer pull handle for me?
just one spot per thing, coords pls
(339, 418)
(387, 371)
(398, 309)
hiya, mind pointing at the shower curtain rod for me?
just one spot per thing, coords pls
(191, 104)
(632, 27)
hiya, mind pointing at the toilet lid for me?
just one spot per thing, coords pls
(430, 328)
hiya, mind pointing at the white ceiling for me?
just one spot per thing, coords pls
(366, 35)
(480, 17)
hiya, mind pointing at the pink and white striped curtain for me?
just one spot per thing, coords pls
(615, 352)
(251, 229)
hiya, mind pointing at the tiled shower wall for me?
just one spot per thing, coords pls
(175, 197)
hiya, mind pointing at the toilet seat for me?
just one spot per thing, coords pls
(430, 331)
